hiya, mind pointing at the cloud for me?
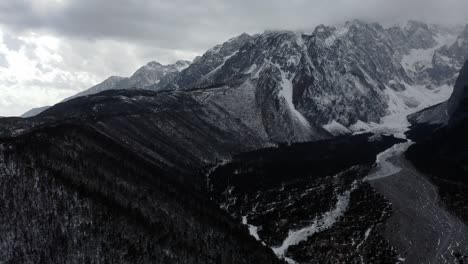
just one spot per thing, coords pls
(12, 43)
(3, 61)
(55, 48)
(188, 24)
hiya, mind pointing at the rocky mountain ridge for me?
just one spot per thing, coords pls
(354, 77)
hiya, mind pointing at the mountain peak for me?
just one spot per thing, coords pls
(154, 64)
(241, 37)
(181, 62)
(355, 22)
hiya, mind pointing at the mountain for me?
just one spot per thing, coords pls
(107, 84)
(357, 76)
(441, 146)
(107, 205)
(243, 156)
(204, 65)
(34, 111)
(117, 176)
(152, 73)
(145, 76)
(343, 79)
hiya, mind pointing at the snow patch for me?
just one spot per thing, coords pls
(422, 58)
(251, 69)
(253, 230)
(360, 127)
(220, 65)
(401, 104)
(287, 93)
(366, 236)
(336, 129)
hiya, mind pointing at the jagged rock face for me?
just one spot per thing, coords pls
(413, 35)
(350, 77)
(449, 59)
(202, 66)
(351, 68)
(151, 74)
(351, 74)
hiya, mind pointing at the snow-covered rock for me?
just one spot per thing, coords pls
(359, 75)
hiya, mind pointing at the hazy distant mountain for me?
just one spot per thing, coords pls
(34, 111)
(145, 76)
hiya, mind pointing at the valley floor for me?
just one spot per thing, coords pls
(420, 228)
(387, 213)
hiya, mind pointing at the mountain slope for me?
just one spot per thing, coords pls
(117, 177)
(35, 111)
(107, 84)
(147, 75)
(70, 193)
(441, 148)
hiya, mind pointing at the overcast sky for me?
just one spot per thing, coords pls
(51, 49)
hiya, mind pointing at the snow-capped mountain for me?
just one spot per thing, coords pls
(353, 77)
(294, 86)
(202, 66)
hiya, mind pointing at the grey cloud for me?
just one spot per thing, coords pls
(3, 61)
(187, 24)
(30, 51)
(43, 68)
(12, 43)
